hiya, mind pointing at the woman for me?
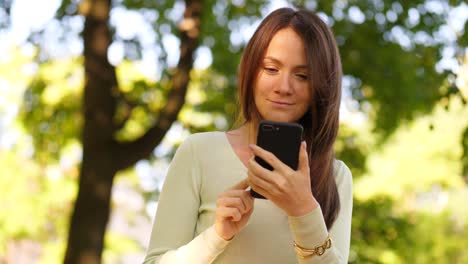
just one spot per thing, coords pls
(290, 72)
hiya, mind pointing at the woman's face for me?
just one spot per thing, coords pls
(281, 90)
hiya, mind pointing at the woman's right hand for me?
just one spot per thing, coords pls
(233, 209)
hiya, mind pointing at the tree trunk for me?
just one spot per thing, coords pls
(91, 212)
(102, 155)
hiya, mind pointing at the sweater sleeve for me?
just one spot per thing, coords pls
(173, 238)
(310, 230)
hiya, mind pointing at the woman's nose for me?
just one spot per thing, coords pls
(285, 84)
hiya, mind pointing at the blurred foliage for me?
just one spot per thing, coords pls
(382, 235)
(38, 201)
(51, 109)
(407, 159)
(378, 233)
(409, 204)
(352, 146)
(434, 159)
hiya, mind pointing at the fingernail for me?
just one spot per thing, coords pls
(304, 144)
(251, 146)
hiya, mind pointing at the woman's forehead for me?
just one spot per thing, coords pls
(286, 46)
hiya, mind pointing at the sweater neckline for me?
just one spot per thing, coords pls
(233, 154)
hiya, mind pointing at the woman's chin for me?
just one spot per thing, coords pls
(280, 119)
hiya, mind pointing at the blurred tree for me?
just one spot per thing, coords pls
(388, 48)
(103, 156)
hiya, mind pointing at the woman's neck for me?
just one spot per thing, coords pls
(244, 135)
(249, 131)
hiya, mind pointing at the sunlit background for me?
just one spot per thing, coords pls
(410, 176)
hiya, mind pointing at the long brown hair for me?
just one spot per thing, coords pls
(320, 122)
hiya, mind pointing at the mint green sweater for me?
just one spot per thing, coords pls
(204, 166)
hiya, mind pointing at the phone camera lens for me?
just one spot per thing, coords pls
(268, 128)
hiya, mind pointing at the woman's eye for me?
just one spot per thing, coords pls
(270, 70)
(302, 76)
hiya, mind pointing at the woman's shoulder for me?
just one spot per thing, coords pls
(205, 137)
(196, 144)
(202, 140)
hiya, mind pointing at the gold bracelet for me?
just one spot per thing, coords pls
(309, 252)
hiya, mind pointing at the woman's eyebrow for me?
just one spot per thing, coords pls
(273, 59)
(280, 63)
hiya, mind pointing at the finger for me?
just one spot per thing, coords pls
(235, 202)
(272, 181)
(243, 196)
(268, 157)
(261, 191)
(248, 200)
(303, 158)
(232, 193)
(242, 185)
(259, 170)
(258, 182)
(229, 212)
(231, 197)
(250, 210)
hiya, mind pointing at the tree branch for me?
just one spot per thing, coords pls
(128, 154)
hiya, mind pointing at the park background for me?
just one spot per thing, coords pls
(105, 91)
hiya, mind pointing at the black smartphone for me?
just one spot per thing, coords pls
(281, 139)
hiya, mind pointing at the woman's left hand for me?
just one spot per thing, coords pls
(289, 189)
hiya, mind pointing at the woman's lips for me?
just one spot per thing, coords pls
(280, 103)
